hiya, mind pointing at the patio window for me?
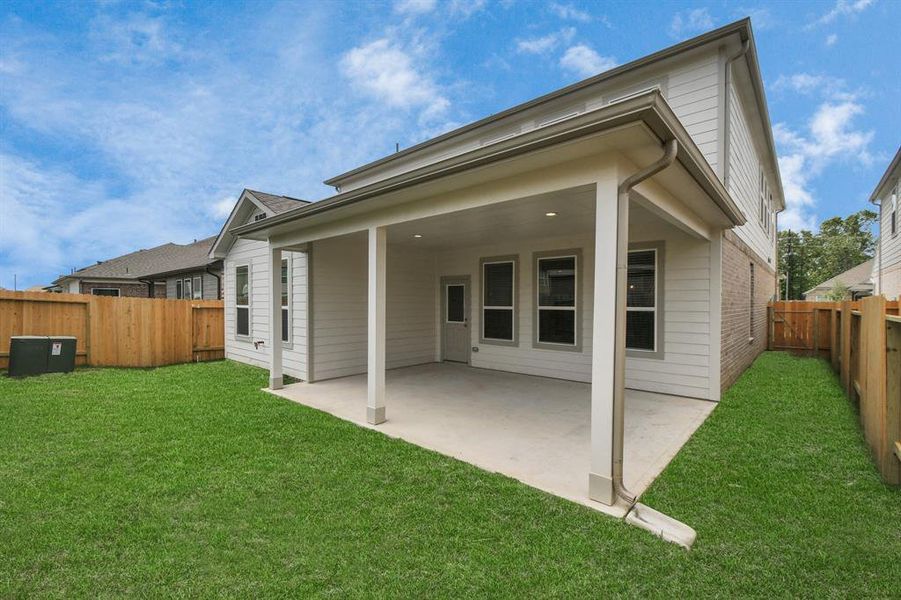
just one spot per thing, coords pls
(178, 294)
(498, 300)
(556, 304)
(198, 288)
(242, 300)
(286, 305)
(641, 301)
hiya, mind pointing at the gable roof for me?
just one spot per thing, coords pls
(145, 263)
(276, 204)
(854, 278)
(270, 204)
(742, 28)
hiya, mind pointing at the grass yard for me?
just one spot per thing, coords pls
(188, 481)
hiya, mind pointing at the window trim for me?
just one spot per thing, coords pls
(575, 253)
(118, 291)
(510, 258)
(289, 302)
(249, 306)
(659, 248)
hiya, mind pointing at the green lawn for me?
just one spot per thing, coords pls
(189, 481)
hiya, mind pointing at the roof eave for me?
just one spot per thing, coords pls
(650, 108)
(874, 197)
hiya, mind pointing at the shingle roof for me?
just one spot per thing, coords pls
(853, 277)
(277, 204)
(140, 264)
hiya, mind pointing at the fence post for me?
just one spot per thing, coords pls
(834, 339)
(892, 472)
(846, 346)
(816, 331)
(771, 315)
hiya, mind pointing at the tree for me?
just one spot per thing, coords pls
(839, 292)
(807, 259)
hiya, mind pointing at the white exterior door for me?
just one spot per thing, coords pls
(455, 319)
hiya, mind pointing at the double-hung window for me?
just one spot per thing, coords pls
(178, 292)
(188, 289)
(286, 305)
(198, 288)
(641, 300)
(499, 300)
(556, 299)
(242, 300)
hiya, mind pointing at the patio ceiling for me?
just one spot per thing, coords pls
(571, 214)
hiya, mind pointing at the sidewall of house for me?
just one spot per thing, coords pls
(209, 284)
(742, 340)
(255, 254)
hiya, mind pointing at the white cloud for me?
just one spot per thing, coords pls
(807, 83)
(830, 137)
(544, 44)
(585, 62)
(693, 21)
(136, 39)
(169, 149)
(415, 7)
(387, 72)
(465, 8)
(831, 39)
(222, 208)
(570, 12)
(841, 8)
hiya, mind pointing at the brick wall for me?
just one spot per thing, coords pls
(741, 344)
(131, 290)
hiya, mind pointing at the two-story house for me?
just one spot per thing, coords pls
(609, 242)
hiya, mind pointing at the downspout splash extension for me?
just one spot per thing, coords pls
(639, 515)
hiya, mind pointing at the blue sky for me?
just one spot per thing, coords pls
(124, 125)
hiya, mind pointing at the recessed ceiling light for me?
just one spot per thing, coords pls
(417, 235)
(550, 214)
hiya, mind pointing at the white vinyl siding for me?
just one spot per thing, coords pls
(339, 292)
(889, 244)
(256, 254)
(744, 183)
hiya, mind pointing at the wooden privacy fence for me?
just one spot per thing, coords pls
(862, 341)
(117, 332)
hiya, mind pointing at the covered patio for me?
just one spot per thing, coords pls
(533, 429)
(515, 261)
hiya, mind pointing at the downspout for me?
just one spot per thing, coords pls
(151, 287)
(745, 46)
(622, 264)
(218, 283)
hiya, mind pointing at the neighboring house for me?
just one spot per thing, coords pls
(136, 274)
(857, 280)
(620, 231)
(247, 263)
(887, 268)
(191, 273)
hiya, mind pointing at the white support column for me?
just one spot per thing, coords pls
(375, 373)
(276, 380)
(600, 478)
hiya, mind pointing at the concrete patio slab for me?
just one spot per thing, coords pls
(533, 429)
